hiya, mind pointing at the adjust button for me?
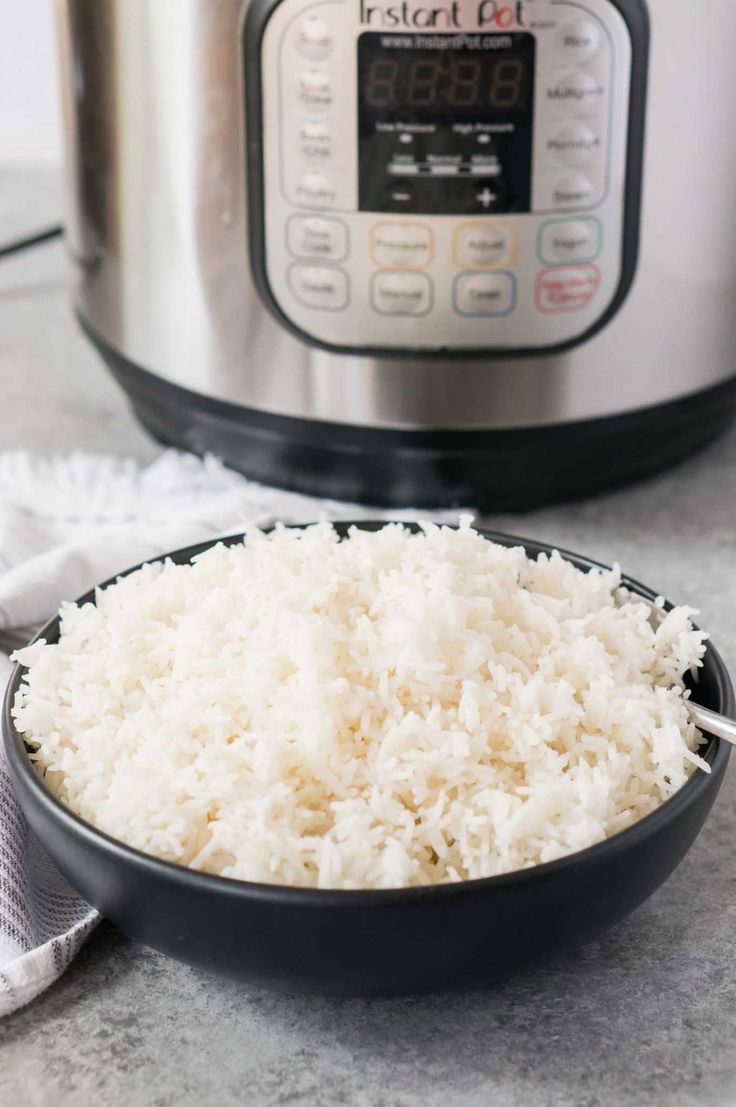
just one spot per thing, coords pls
(577, 41)
(319, 286)
(575, 90)
(315, 90)
(401, 245)
(317, 236)
(484, 293)
(572, 240)
(313, 38)
(484, 245)
(401, 293)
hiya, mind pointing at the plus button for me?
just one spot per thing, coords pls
(486, 197)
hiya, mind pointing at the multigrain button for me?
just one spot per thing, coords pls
(575, 90)
(315, 90)
(573, 191)
(313, 38)
(315, 188)
(315, 141)
(484, 293)
(577, 41)
(401, 245)
(319, 286)
(316, 236)
(570, 240)
(575, 144)
(483, 245)
(401, 293)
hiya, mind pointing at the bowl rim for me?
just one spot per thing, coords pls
(716, 753)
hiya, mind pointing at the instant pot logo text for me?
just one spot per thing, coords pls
(490, 14)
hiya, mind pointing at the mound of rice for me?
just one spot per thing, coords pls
(392, 709)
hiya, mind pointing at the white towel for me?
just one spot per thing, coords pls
(65, 525)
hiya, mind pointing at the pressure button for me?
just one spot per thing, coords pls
(401, 245)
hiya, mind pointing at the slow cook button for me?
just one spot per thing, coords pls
(569, 240)
(313, 38)
(316, 236)
(573, 191)
(575, 90)
(315, 90)
(575, 144)
(483, 245)
(314, 188)
(317, 286)
(401, 293)
(568, 288)
(484, 293)
(577, 41)
(401, 245)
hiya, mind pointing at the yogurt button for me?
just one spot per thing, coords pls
(313, 38)
(579, 40)
(571, 240)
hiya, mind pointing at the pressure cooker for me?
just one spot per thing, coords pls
(421, 252)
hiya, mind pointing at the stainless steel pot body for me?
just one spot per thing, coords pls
(154, 108)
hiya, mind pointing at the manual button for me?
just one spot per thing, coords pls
(319, 286)
(401, 293)
(401, 245)
(317, 236)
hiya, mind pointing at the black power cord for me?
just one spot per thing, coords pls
(21, 244)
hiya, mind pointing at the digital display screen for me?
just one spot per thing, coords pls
(445, 122)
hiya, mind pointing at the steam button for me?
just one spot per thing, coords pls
(579, 40)
(319, 286)
(315, 90)
(401, 293)
(313, 38)
(574, 191)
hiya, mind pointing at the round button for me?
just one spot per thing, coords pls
(484, 294)
(401, 293)
(315, 141)
(313, 38)
(315, 188)
(401, 245)
(579, 40)
(571, 240)
(317, 286)
(575, 144)
(483, 245)
(574, 191)
(317, 236)
(575, 90)
(315, 90)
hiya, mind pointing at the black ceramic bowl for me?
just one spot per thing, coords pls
(374, 942)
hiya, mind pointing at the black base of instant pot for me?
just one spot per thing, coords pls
(492, 470)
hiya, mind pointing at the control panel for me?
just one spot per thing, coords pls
(459, 177)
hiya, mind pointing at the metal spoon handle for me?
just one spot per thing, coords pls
(713, 723)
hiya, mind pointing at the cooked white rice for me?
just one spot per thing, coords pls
(387, 710)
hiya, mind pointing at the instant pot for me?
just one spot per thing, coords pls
(410, 251)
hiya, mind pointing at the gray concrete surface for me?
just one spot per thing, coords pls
(645, 1015)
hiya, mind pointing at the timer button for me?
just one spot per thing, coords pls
(579, 40)
(575, 144)
(484, 245)
(315, 236)
(574, 191)
(401, 293)
(315, 188)
(572, 240)
(575, 90)
(401, 245)
(313, 38)
(315, 90)
(319, 286)
(484, 293)
(315, 141)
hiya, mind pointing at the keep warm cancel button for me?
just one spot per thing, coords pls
(566, 288)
